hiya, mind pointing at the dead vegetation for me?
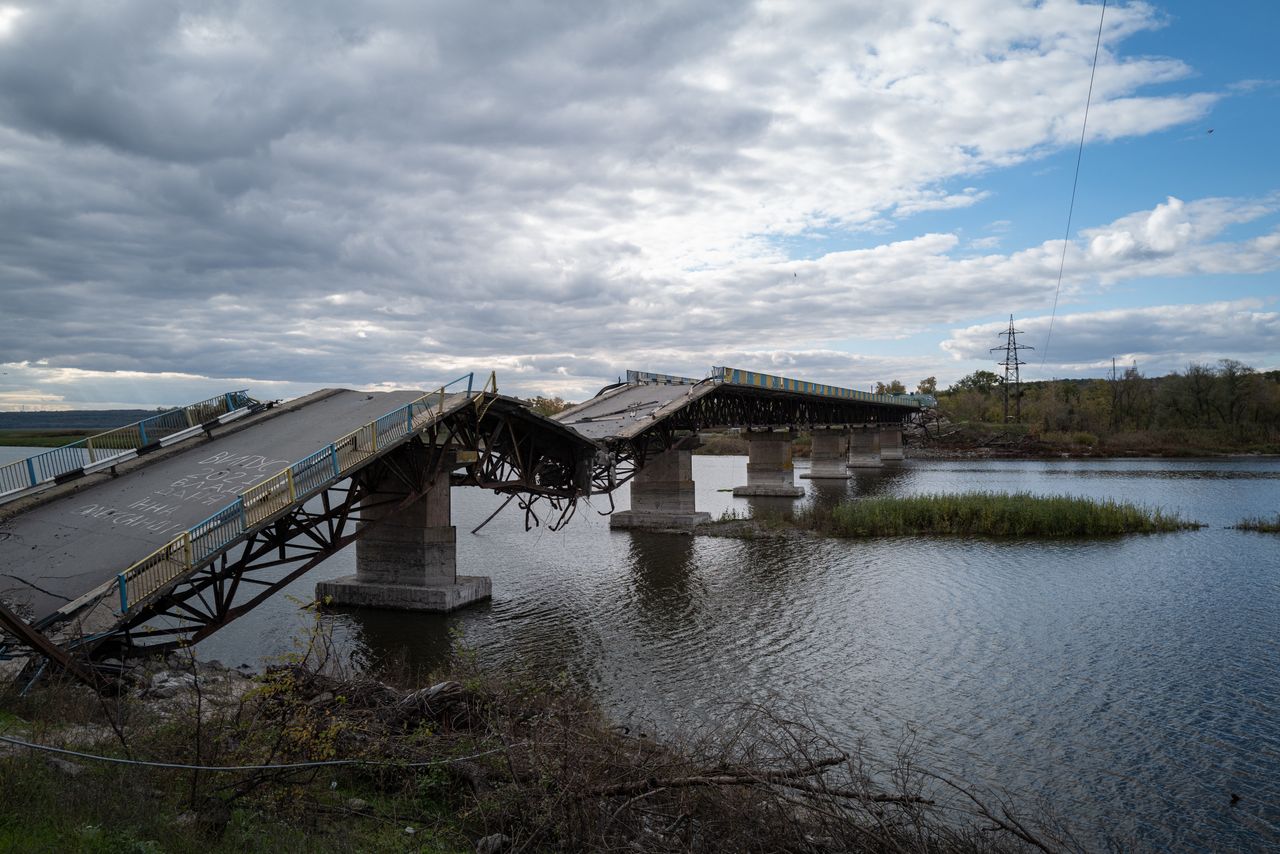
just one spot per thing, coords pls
(476, 759)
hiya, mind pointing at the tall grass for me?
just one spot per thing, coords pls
(988, 514)
(1261, 525)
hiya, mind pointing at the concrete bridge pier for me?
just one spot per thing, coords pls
(662, 494)
(891, 442)
(864, 448)
(409, 561)
(769, 468)
(827, 456)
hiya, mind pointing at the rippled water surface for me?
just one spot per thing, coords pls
(1133, 682)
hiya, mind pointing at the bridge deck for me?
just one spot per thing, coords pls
(747, 399)
(73, 543)
(626, 411)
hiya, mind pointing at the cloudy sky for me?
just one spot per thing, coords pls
(208, 195)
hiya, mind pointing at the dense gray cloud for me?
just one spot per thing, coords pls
(392, 193)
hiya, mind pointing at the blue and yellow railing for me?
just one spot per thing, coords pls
(52, 464)
(755, 379)
(262, 501)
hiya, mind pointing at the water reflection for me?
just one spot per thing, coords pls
(825, 494)
(398, 639)
(873, 483)
(665, 588)
(1131, 681)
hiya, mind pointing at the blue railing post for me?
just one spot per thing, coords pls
(31, 470)
(244, 518)
(227, 398)
(333, 455)
(408, 419)
(142, 432)
(123, 583)
(470, 379)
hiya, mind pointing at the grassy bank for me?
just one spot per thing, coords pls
(41, 438)
(1261, 525)
(1020, 440)
(984, 514)
(474, 762)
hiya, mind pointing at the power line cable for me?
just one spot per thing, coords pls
(1074, 183)
(288, 766)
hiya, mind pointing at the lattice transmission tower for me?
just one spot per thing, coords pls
(1011, 362)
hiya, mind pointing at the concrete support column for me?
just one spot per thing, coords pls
(891, 442)
(407, 559)
(662, 494)
(827, 457)
(864, 448)
(769, 469)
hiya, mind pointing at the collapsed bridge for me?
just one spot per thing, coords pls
(650, 425)
(161, 533)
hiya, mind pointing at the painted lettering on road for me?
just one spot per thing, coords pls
(217, 482)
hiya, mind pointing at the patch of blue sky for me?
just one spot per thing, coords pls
(1222, 42)
(814, 243)
(1157, 291)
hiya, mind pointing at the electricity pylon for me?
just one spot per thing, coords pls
(1011, 361)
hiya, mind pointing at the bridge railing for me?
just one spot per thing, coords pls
(52, 464)
(266, 499)
(755, 379)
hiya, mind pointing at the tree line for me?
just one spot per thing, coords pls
(1229, 397)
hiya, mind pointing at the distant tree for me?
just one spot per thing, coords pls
(1187, 398)
(981, 381)
(928, 385)
(894, 387)
(548, 405)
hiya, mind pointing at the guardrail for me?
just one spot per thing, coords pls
(264, 500)
(52, 464)
(755, 379)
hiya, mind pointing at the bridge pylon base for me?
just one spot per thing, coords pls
(769, 468)
(662, 494)
(864, 448)
(891, 443)
(640, 519)
(827, 458)
(407, 560)
(350, 591)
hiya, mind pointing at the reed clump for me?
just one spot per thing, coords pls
(1261, 525)
(988, 514)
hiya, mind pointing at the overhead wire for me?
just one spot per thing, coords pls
(286, 766)
(1066, 239)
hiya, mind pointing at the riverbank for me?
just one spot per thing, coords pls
(1016, 442)
(979, 440)
(332, 761)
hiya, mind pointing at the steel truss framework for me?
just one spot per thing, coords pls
(735, 406)
(498, 444)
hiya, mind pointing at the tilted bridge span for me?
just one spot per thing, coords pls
(160, 533)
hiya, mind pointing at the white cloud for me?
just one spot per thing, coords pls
(324, 194)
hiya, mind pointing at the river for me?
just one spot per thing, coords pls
(1133, 683)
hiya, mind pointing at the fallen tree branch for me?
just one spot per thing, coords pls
(732, 778)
